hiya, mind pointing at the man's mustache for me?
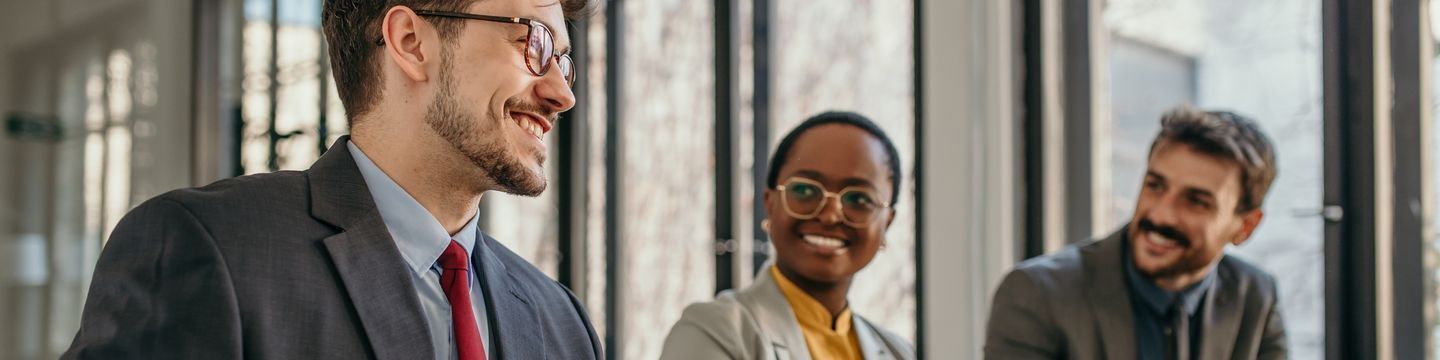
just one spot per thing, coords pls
(1166, 231)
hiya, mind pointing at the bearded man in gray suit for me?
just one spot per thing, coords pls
(1161, 287)
(372, 253)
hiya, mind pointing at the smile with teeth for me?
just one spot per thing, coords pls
(826, 243)
(530, 125)
(1161, 240)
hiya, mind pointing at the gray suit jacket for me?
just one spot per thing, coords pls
(1074, 305)
(296, 265)
(757, 323)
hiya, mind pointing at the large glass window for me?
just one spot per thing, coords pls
(857, 56)
(1261, 59)
(667, 195)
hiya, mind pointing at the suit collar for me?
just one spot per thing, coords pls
(1109, 300)
(773, 312)
(370, 267)
(872, 345)
(513, 316)
(1222, 314)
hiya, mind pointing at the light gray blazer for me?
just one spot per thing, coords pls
(1073, 304)
(757, 323)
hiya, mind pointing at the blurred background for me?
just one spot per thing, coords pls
(1022, 126)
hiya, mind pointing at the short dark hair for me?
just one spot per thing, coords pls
(1229, 136)
(351, 27)
(782, 152)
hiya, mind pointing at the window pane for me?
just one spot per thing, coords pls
(667, 195)
(1432, 252)
(1260, 59)
(866, 48)
(299, 81)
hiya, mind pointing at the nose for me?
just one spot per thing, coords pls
(830, 215)
(554, 91)
(1163, 212)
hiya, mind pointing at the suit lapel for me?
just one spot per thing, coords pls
(513, 318)
(773, 312)
(1221, 316)
(1109, 298)
(365, 256)
(872, 345)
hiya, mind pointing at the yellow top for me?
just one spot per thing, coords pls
(826, 340)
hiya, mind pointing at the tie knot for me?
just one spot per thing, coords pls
(454, 257)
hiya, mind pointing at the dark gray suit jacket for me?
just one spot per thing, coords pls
(297, 265)
(1073, 304)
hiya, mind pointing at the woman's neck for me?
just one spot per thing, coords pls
(831, 295)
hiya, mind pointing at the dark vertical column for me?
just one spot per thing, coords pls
(614, 96)
(572, 167)
(920, 218)
(1079, 104)
(322, 132)
(760, 25)
(1410, 58)
(1033, 129)
(727, 138)
(273, 156)
(1349, 70)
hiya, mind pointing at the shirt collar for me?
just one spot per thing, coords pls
(1156, 298)
(808, 311)
(419, 236)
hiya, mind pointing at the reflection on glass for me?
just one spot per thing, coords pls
(1261, 59)
(594, 283)
(300, 78)
(867, 67)
(667, 261)
(1432, 251)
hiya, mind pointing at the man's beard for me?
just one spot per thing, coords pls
(1191, 259)
(485, 149)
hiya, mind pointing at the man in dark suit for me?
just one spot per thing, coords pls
(1161, 287)
(372, 253)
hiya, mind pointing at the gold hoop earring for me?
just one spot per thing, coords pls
(765, 225)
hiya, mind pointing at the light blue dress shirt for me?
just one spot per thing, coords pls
(421, 240)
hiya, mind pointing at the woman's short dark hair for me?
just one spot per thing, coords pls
(782, 152)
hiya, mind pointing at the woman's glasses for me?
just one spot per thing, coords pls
(805, 199)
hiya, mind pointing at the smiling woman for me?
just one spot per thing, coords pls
(831, 183)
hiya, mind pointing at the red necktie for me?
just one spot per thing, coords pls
(455, 279)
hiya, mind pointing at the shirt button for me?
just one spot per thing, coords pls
(1168, 330)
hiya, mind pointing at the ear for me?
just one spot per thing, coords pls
(405, 45)
(1248, 222)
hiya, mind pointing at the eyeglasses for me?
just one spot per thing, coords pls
(539, 42)
(805, 199)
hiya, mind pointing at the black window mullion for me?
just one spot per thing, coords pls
(727, 138)
(1410, 57)
(614, 96)
(760, 153)
(274, 137)
(572, 168)
(1349, 171)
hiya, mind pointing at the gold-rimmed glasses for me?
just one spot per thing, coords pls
(805, 199)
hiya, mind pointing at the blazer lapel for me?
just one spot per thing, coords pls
(1222, 315)
(1109, 298)
(872, 346)
(775, 316)
(370, 266)
(513, 318)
